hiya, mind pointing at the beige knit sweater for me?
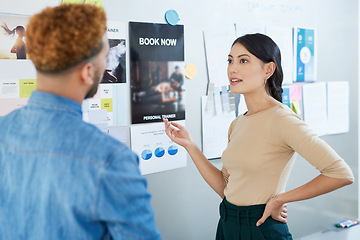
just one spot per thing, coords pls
(260, 154)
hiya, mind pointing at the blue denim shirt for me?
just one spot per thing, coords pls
(61, 178)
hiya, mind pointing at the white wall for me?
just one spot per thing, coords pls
(25, 7)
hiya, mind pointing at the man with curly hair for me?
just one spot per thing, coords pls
(57, 181)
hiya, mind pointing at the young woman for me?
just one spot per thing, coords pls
(19, 47)
(261, 147)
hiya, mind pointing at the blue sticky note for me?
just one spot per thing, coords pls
(286, 96)
(172, 17)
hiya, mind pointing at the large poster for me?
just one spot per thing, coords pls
(156, 72)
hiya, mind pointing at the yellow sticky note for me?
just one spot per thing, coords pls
(295, 106)
(190, 71)
(94, 2)
(26, 87)
(106, 103)
(71, 1)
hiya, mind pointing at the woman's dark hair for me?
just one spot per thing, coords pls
(264, 48)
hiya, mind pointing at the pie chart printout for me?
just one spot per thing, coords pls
(173, 150)
(159, 152)
(146, 154)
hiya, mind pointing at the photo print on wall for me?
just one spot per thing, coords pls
(13, 37)
(115, 71)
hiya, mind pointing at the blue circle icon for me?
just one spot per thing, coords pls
(173, 150)
(172, 17)
(146, 154)
(159, 152)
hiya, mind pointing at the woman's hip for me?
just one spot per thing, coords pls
(239, 223)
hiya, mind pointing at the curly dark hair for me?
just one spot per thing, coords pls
(58, 38)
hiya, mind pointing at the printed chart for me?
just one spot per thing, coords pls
(156, 151)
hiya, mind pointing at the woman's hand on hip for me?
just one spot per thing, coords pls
(277, 210)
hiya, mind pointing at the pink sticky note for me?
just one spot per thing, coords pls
(295, 93)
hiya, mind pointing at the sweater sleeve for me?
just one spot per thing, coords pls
(224, 171)
(295, 134)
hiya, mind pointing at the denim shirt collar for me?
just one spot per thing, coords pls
(55, 102)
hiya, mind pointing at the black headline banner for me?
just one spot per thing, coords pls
(156, 42)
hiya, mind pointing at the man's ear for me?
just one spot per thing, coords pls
(270, 69)
(87, 74)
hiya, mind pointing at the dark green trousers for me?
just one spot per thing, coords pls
(239, 223)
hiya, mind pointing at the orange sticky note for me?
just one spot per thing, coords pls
(190, 71)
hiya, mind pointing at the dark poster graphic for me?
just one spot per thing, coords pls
(115, 71)
(156, 72)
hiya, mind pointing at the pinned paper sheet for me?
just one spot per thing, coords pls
(315, 107)
(98, 116)
(94, 2)
(71, 1)
(217, 101)
(172, 17)
(155, 149)
(10, 104)
(9, 88)
(106, 90)
(210, 98)
(218, 41)
(94, 104)
(26, 86)
(119, 133)
(99, 119)
(214, 131)
(190, 71)
(338, 107)
(232, 101)
(225, 99)
(283, 38)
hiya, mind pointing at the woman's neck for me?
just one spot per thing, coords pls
(257, 102)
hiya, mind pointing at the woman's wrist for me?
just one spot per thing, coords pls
(280, 199)
(191, 146)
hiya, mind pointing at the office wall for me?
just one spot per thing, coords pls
(185, 207)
